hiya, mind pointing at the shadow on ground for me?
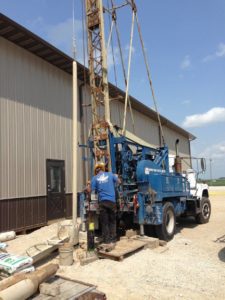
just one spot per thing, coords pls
(221, 254)
(188, 222)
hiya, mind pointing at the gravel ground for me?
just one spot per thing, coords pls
(193, 267)
(185, 271)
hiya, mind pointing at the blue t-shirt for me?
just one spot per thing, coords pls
(104, 184)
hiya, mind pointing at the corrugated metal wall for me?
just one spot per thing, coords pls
(145, 128)
(23, 213)
(35, 121)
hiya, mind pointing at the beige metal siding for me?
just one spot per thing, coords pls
(144, 127)
(35, 119)
(36, 123)
(183, 146)
(170, 139)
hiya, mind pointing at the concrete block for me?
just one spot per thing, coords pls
(130, 233)
(49, 289)
(88, 260)
(80, 254)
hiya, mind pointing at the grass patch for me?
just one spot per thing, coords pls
(214, 182)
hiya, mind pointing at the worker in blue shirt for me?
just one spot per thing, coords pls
(104, 183)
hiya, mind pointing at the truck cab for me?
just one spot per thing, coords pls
(199, 190)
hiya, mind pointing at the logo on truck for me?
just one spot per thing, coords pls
(149, 170)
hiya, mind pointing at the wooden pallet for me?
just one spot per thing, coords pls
(71, 289)
(123, 249)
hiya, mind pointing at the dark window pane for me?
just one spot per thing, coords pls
(55, 179)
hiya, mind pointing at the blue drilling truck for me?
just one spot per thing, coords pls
(150, 197)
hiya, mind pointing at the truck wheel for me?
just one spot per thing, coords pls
(166, 230)
(204, 215)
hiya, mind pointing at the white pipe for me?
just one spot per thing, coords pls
(7, 236)
(74, 144)
(20, 291)
(20, 288)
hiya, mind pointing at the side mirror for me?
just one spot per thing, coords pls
(203, 164)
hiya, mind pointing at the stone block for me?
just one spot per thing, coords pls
(49, 289)
(130, 233)
(88, 260)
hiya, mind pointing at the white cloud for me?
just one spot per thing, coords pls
(117, 58)
(208, 58)
(34, 23)
(110, 57)
(186, 102)
(186, 63)
(61, 34)
(127, 48)
(215, 152)
(221, 50)
(216, 114)
(219, 53)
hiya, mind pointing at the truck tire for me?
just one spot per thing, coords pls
(166, 230)
(204, 215)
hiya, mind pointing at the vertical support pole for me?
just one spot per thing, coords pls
(75, 143)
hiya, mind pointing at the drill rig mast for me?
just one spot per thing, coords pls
(98, 82)
(149, 194)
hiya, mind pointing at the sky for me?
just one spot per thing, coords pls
(185, 45)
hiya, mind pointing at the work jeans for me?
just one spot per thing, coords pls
(108, 220)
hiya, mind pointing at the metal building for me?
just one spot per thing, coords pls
(36, 128)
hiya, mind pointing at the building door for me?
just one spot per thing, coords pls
(55, 189)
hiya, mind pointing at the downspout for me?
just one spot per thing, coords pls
(189, 144)
(74, 144)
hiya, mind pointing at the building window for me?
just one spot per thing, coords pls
(55, 179)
